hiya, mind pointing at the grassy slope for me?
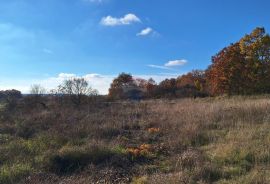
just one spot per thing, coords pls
(183, 141)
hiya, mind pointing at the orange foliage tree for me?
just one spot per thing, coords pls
(119, 84)
(192, 84)
(243, 67)
(227, 74)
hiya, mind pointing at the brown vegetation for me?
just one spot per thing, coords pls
(222, 140)
(74, 136)
(242, 68)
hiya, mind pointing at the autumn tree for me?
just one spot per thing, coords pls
(167, 87)
(120, 85)
(227, 74)
(242, 67)
(192, 84)
(151, 88)
(194, 78)
(256, 49)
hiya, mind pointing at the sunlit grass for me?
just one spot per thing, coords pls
(221, 140)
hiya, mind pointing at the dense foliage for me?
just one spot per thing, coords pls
(242, 68)
(193, 84)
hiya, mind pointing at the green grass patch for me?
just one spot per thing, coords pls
(14, 173)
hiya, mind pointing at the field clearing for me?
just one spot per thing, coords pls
(210, 140)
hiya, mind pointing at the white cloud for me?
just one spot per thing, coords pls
(66, 76)
(96, 81)
(173, 63)
(113, 21)
(160, 67)
(92, 75)
(145, 32)
(170, 64)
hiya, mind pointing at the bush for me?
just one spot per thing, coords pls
(70, 159)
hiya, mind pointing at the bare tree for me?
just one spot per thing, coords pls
(76, 88)
(37, 89)
(36, 96)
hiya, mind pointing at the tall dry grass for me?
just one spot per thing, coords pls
(211, 140)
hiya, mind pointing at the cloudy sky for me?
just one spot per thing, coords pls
(47, 41)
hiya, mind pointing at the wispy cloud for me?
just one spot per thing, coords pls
(126, 20)
(173, 63)
(170, 65)
(148, 32)
(161, 67)
(145, 32)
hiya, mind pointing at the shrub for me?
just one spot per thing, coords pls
(70, 159)
(142, 152)
(153, 130)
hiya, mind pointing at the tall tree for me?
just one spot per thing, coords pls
(167, 87)
(119, 85)
(151, 88)
(227, 74)
(256, 48)
(243, 67)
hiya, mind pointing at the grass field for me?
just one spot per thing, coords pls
(210, 140)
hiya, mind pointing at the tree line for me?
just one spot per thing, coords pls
(242, 68)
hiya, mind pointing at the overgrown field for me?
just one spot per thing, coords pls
(211, 140)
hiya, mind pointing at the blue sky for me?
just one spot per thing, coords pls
(47, 41)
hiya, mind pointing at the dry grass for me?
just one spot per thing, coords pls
(221, 140)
